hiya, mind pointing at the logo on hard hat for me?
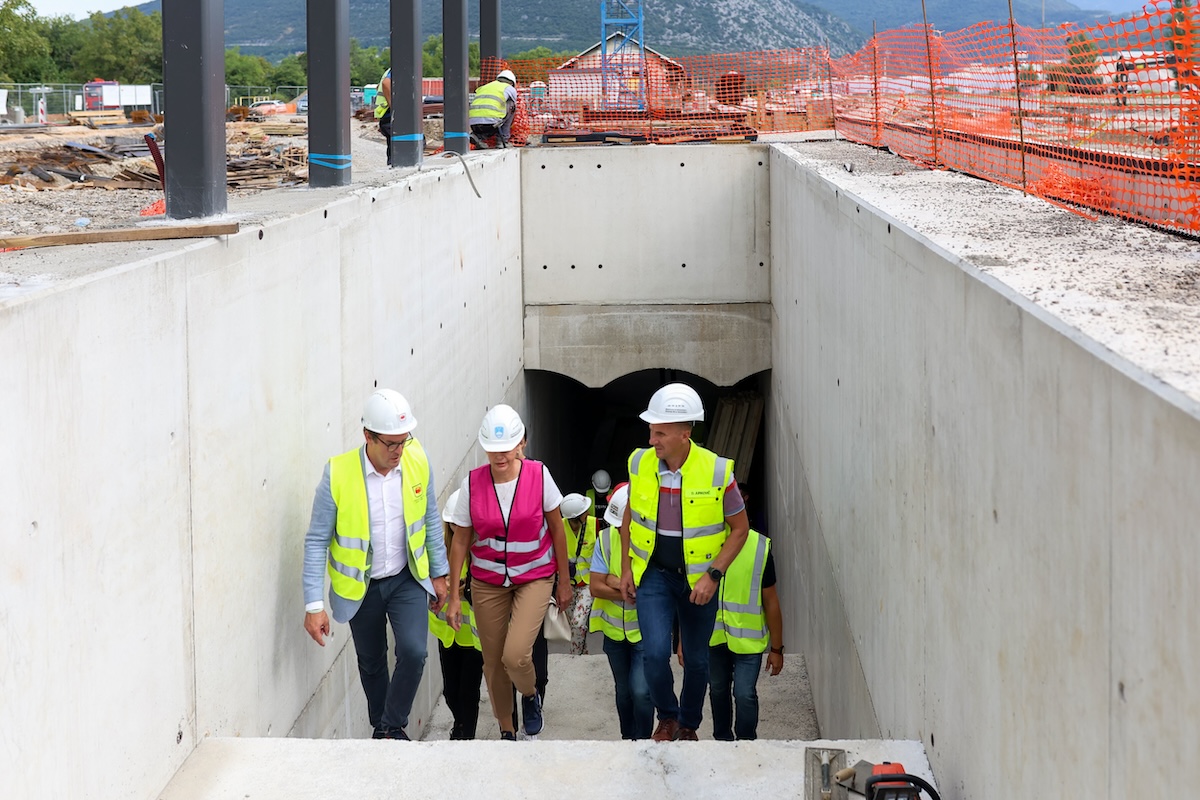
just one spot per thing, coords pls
(677, 406)
(498, 431)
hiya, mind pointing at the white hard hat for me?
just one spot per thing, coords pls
(675, 402)
(615, 513)
(502, 429)
(387, 412)
(451, 504)
(601, 482)
(575, 505)
(507, 74)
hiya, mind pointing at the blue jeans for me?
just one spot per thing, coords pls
(727, 669)
(662, 597)
(403, 602)
(634, 709)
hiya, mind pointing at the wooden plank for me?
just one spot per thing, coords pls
(122, 235)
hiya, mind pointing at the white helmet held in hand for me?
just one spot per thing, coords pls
(601, 482)
(502, 429)
(615, 513)
(575, 505)
(451, 503)
(388, 413)
(675, 402)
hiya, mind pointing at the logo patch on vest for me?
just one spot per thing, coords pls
(417, 490)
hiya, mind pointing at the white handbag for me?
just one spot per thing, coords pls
(556, 626)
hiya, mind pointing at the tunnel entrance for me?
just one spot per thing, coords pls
(577, 430)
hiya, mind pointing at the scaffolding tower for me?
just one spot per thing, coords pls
(622, 60)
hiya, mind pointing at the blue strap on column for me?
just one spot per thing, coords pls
(329, 160)
(454, 135)
(408, 137)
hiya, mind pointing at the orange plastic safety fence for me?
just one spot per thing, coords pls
(1106, 117)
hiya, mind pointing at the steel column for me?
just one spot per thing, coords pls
(194, 108)
(489, 40)
(408, 129)
(454, 67)
(328, 92)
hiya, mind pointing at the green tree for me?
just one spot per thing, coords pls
(1082, 56)
(367, 64)
(125, 47)
(1177, 32)
(433, 56)
(65, 37)
(245, 70)
(24, 52)
(291, 71)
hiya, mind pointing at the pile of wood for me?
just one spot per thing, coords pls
(263, 166)
(123, 165)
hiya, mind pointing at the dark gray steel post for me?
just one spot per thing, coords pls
(194, 107)
(328, 92)
(454, 67)
(489, 40)
(408, 129)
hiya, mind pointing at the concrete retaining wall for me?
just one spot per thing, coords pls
(165, 425)
(994, 521)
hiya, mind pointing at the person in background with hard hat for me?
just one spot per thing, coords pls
(383, 110)
(749, 621)
(683, 527)
(493, 109)
(374, 528)
(581, 541)
(618, 621)
(459, 651)
(601, 483)
(507, 516)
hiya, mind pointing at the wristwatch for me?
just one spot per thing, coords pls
(778, 650)
(715, 574)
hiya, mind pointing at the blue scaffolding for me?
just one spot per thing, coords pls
(623, 60)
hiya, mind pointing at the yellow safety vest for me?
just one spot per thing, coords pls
(349, 549)
(467, 634)
(741, 621)
(705, 476)
(381, 102)
(583, 564)
(489, 103)
(616, 620)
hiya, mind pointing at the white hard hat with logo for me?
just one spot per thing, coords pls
(387, 412)
(502, 429)
(675, 402)
(615, 513)
(451, 503)
(601, 482)
(575, 505)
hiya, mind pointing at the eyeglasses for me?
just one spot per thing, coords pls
(392, 446)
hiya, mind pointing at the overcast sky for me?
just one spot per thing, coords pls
(75, 8)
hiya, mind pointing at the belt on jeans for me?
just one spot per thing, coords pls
(673, 570)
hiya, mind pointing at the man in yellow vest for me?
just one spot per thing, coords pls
(383, 110)
(749, 621)
(618, 621)
(493, 108)
(375, 529)
(684, 526)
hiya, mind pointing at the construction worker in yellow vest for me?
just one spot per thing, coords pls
(493, 108)
(618, 621)
(749, 621)
(372, 511)
(383, 110)
(581, 541)
(685, 524)
(601, 484)
(459, 652)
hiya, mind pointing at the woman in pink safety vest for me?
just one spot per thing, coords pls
(508, 518)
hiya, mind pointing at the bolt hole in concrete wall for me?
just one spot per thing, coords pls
(577, 430)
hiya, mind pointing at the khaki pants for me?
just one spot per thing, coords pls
(508, 619)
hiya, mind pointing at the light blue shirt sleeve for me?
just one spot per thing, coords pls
(435, 542)
(316, 541)
(598, 562)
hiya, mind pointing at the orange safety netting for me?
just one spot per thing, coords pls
(1105, 117)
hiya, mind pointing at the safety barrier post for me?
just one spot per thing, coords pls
(1012, 35)
(933, 129)
(832, 105)
(875, 80)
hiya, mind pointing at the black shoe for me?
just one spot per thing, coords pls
(380, 732)
(531, 713)
(394, 733)
(507, 736)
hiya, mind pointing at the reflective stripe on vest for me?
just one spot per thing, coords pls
(704, 476)
(349, 556)
(616, 620)
(489, 104)
(741, 621)
(519, 550)
(582, 564)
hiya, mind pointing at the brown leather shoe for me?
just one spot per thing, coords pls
(686, 735)
(666, 730)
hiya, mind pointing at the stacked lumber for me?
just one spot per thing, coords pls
(261, 167)
(78, 166)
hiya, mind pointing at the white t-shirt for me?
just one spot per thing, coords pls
(461, 514)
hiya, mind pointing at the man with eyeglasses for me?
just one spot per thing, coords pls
(376, 530)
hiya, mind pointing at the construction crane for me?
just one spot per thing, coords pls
(622, 61)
